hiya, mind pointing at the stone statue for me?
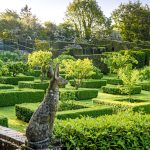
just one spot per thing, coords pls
(39, 132)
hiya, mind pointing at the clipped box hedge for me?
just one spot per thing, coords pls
(14, 80)
(97, 76)
(80, 94)
(122, 131)
(112, 89)
(24, 111)
(12, 97)
(114, 81)
(33, 85)
(6, 86)
(3, 121)
(145, 86)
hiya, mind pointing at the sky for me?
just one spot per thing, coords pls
(54, 10)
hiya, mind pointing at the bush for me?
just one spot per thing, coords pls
(80, 94)
(145, 86)
(14, 80)
(33, 85)
(117, 90)
(93, 83)
(139, 56)
(3, 121)
(147, 55)
(114, 81)
(6, 86)
(12, 97)
(35, 73)
(25, 111)
(126, 130)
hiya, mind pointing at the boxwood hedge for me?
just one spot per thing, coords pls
(6, 86)
(33, 85)
(125, 130)
(112, 89)
(14, 80)
(114, 81)
(3, 121)
(12, 97)
(145, 86)
(80, 94)
(24, 111)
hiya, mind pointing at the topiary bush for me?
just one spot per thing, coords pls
(66, 110)
(93, 83)
(33, 85)
(117, 90)
(80, 94)
(3, 121)
(12, 97)
(14, 80)
(6, 86)
(114, 81)
(125, 130)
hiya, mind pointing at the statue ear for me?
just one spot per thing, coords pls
(56, 75)
(51, 71)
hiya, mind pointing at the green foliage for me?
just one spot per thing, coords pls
(129, 77)
(80, 94)
(33, 85)
(121, 90)
(6, 86)
(40, 59)
(67, 109)
(41, 45)
(91, 83)
(138, 55)
(97, 73)
(3, 121)
(125, 130)
(17, 67)
(14, 80)
(12, 97)
(117, 60)
(145, 86)
(132, 20)
(145, 73)
(114, 81)
(79, 70)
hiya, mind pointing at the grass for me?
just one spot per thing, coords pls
(13, 122)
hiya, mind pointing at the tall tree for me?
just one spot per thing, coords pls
(133, 21)
(86, 16)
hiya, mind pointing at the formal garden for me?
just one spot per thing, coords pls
(104, 94)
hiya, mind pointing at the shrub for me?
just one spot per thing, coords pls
(33, 85)
(126, 130)
(14, 80)
(3, 121)
(139, 56)
(80, 94)
(97, 73)
(93, 83)
(12, 97)
(145, 86)
(114, 81)
(118, 91)
(145, 73)
(35, 73)
(147, 55)
(6, 86)
(25, 111)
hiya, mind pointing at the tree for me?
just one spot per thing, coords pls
(133, 20)
(86, 16)
(65, 32)
(129, 77)
(79, 70)
(115, 61)
(40, 59)
(9, 24)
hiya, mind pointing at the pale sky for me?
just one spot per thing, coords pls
(54, 10)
